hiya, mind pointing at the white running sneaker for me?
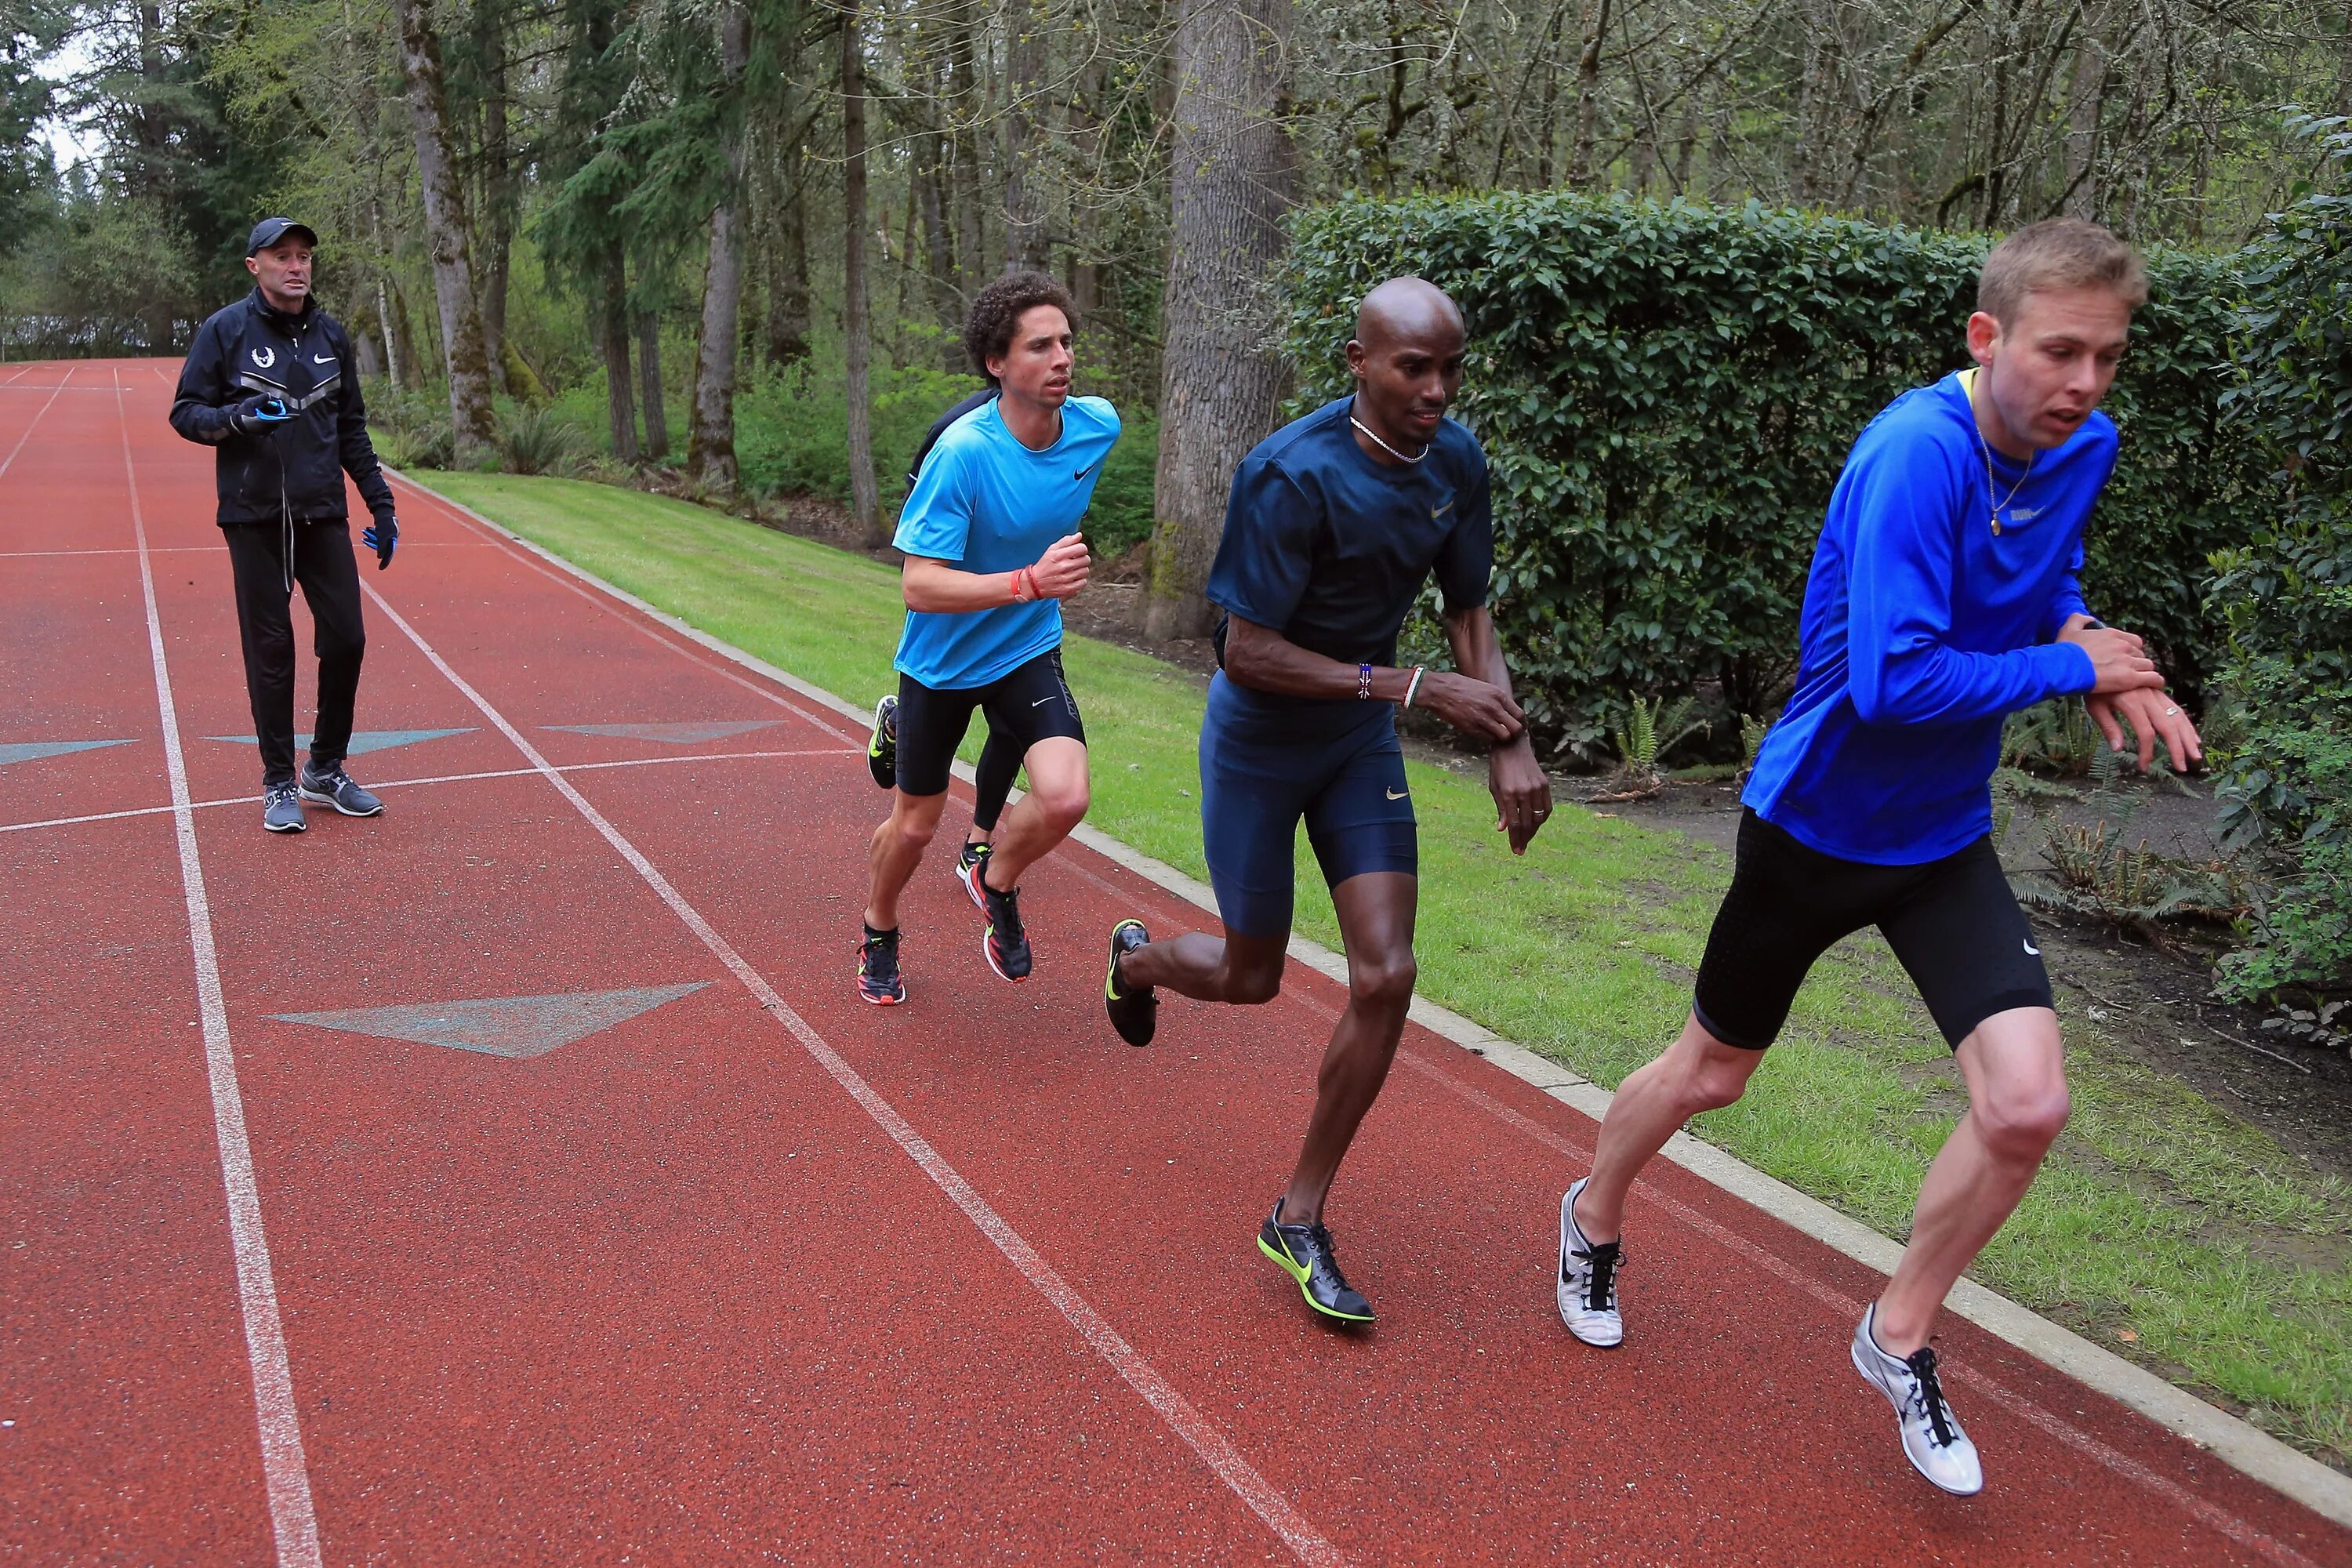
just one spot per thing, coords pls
(1587, 1287)
(1932, 1439)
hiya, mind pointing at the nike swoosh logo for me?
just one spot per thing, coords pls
(316, 360)
(1398, 794)
(2031, 950)
(1041, 702)
(1081, 474)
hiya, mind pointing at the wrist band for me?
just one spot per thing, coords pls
(1019, 578)
(1413, 686)
(1363, 682)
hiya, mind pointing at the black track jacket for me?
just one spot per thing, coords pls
(296, 469)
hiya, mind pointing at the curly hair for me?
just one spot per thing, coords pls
(988, 331)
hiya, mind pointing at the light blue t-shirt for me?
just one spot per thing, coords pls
(984, 503)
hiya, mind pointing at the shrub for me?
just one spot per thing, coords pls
(410, 430)
(2286, 596)
(539, 441)
(1666, 393)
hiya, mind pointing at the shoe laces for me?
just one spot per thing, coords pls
(334, 778)
(278, 795)
(880, 955)
(1003, 908)
(1606, 1259)
(1927, 1394)
(1326, 1251)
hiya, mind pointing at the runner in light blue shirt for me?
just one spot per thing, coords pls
(991, 546)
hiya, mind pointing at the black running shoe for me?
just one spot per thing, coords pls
(1007, 943)
(1305, 1252)
(1134, 1009)
(879, 980)
(972, 854)
(882, 746)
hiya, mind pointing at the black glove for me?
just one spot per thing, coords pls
(255, 415)
(382, 535)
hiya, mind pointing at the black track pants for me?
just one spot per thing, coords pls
(331, 586)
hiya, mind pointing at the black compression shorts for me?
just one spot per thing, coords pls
(1953, 923)
(1031, 704)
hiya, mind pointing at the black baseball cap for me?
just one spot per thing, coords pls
(270, 230)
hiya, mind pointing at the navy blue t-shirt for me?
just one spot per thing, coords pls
(1329, 548)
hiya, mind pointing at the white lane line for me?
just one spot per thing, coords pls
(287, 1478)
(215, 549)
(11, 459)
(1841, 1305)
(435, 779)
(1202, 1436)
(530, 555)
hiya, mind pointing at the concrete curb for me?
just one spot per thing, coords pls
(2242, 1446)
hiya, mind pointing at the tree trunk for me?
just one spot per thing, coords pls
(393, 357)
(1025, 185)
(2087, 103)
(497, 186)
(711, 447)
(446, 232)
(964, 100)
(1234, 175)
(864, 501)
(1588, 93)
(788, 277)
(938, 247)
(649, 373)
(613, 337)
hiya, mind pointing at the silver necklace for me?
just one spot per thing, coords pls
(1374, 437)
(1984, 448)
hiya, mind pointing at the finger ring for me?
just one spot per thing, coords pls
(2170, 711)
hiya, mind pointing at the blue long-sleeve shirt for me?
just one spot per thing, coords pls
(1923, 629)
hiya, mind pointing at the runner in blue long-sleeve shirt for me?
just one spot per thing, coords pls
(1942, 597)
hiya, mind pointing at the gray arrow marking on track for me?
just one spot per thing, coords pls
(33, 751)
(515, 1026)
(674, 734)
(362, 740)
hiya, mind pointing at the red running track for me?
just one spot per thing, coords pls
(762, 1274)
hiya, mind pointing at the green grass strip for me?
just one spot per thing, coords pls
(2159, 1213)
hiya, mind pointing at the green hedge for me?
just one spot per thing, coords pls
(2287, 595)
(1667, 391)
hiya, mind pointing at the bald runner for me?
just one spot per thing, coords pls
(1335, 523)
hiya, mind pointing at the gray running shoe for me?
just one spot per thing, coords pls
(333, 786)
(1586, 1288)
(281, 809)
(1932, 1439)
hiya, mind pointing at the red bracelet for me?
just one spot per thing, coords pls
(1019, 572)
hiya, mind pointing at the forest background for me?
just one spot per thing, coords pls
(731, 241)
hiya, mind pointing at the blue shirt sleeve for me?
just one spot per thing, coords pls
(1901, 668)
(936, 523)
(1465, 562)
(2067, 602)
(1267, 548)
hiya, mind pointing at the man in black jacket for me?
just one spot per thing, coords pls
(271, 383)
